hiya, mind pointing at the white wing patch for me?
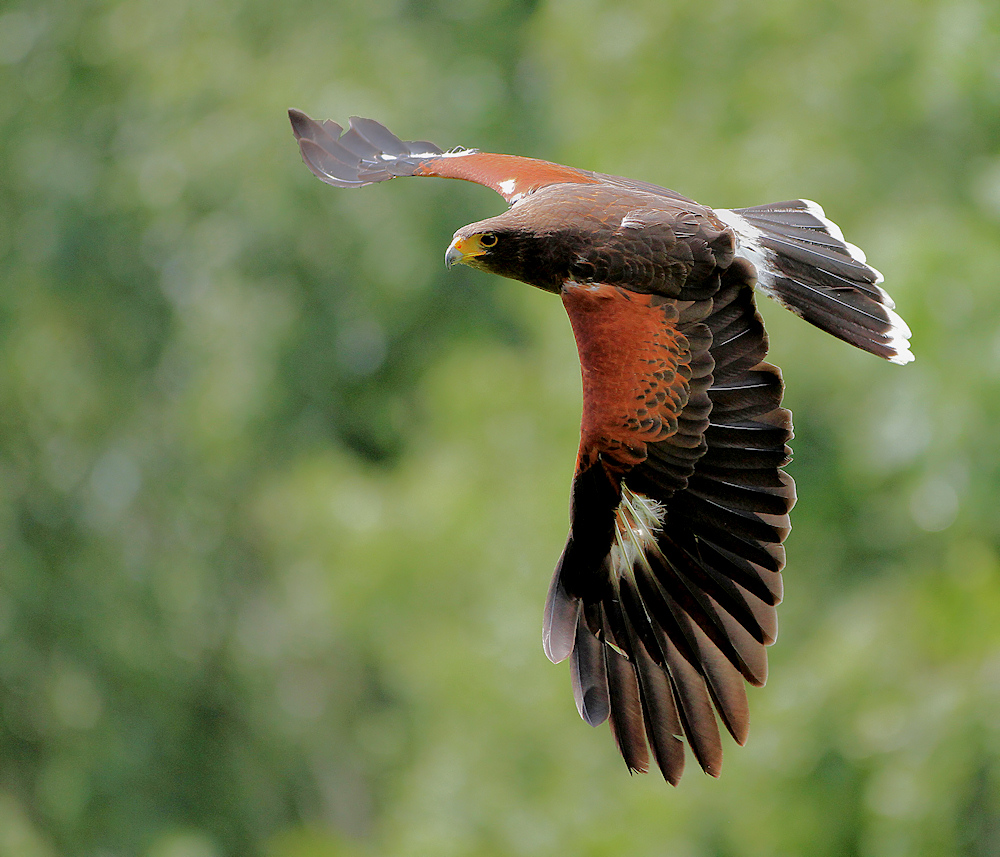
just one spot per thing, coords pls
(748, 246)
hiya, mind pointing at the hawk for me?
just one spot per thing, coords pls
(664, 597)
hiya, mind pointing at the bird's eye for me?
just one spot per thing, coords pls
(487, 239)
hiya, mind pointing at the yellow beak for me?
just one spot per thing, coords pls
(461, 250)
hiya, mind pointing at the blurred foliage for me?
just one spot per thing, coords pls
(280, 496)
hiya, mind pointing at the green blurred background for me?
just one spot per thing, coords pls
(280, 496)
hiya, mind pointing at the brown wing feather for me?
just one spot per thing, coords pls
(679, 558)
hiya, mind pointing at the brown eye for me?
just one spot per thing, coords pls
(487, 240)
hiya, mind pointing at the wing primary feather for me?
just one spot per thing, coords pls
(764, 584)
(685, 672)
(689, 603)
(694, 707)
(732, 598)
(364, 154)
(589, 677)
(727, 687)
(561, 618)
(663, 725)
(380, 138)
(626, 716)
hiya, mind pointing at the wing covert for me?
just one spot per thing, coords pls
(637, 365)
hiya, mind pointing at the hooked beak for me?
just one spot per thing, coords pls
(454, 254)
(462, 250)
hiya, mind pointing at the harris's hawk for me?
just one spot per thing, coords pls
(664, 597)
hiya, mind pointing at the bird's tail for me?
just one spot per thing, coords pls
(804, 263)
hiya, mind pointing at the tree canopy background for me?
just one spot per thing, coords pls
(280, 496)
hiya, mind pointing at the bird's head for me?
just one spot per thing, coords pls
(511, 250)
(477, 249)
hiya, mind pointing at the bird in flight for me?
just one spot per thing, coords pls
(664, 597)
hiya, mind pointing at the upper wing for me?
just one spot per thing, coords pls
(368, 152)
(665, 593)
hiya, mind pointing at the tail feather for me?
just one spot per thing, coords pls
(804, 263)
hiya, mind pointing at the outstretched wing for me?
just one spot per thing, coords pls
(664, 597)
(801, 257)
(369, 152)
